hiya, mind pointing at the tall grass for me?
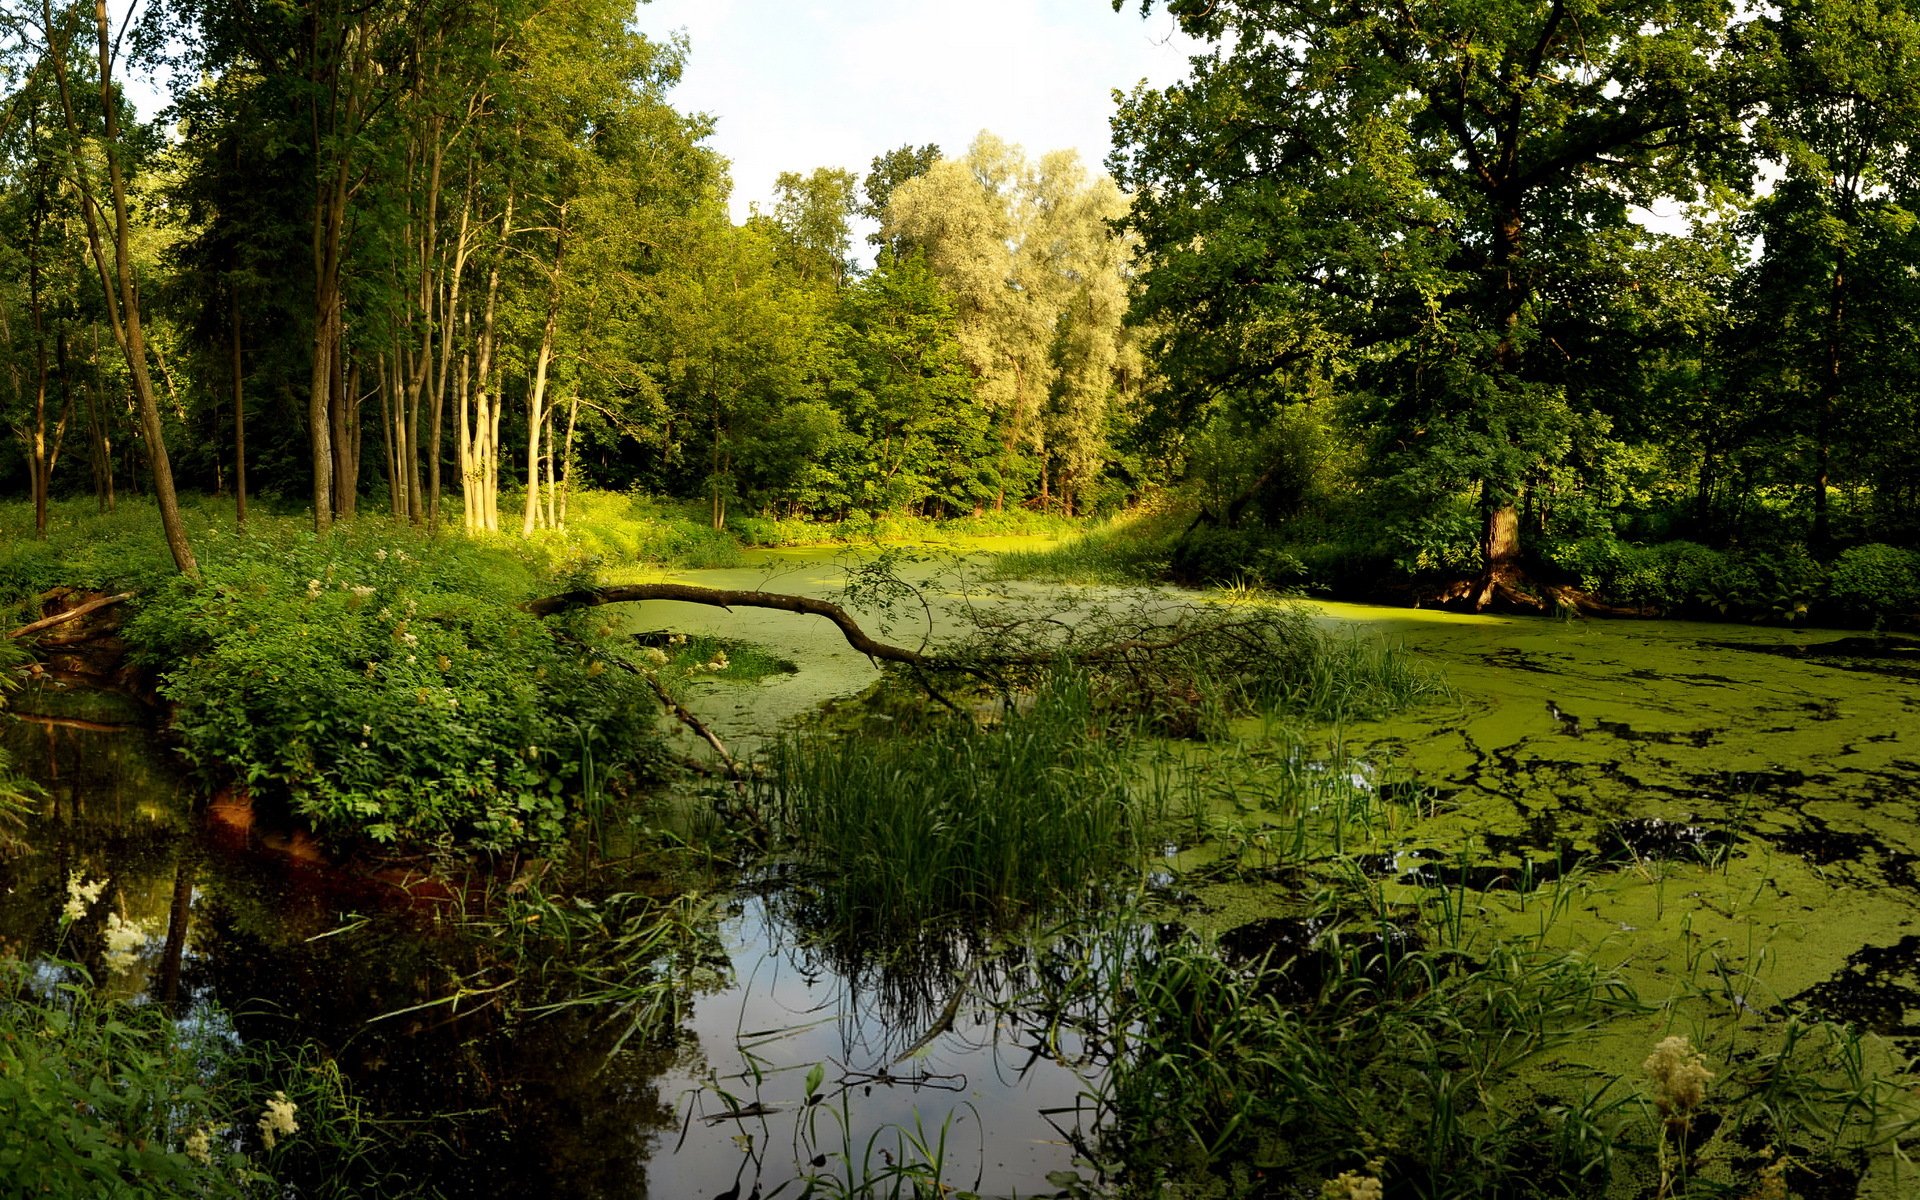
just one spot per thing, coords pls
(963, 821)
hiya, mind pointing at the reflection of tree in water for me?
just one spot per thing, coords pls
(953, 980)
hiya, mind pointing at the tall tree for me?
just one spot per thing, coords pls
(1827, 300)
(101, 187)
(1398, 186)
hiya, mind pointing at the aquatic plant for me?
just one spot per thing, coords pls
(15, 792)
(893, 832)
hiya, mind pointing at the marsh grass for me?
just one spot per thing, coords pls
(960, 821)
(1127, 550)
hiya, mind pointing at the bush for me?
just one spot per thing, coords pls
(1685, 576)
(388, 687)
(1876, 580)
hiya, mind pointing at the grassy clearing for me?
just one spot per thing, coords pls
(1127, 549)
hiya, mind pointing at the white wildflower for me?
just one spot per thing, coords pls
(656, 656)
(1351, 1185)
(80, 896)
(123, 940)
(380, 554)
(1679, 1075)
(200, 1146)
(313, 588)
(362, 590)
(278, 1119)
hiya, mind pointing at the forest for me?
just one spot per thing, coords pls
(1426, 335)
(1360, 648)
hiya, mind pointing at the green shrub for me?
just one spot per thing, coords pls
(1684, 576)
(1875, 580)
(388, 687)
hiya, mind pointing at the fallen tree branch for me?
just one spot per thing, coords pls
(729, 599)
(46, 623)
(685, 717)
(680, 713)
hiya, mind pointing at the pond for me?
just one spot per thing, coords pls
(1707, 802)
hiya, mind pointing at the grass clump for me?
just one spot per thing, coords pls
(961, 821)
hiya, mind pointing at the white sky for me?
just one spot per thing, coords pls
(799, 85)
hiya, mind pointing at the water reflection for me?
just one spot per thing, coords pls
(944, 1062)
(818, 1062)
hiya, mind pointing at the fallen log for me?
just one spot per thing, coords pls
(71, 614)
(729, 598)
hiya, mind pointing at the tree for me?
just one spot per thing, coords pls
(733, 343)
(1827, 302)
(901, 384)
(887, 173)
(1393, 189)
(101, 188)
(812, 212)
(1027, 257)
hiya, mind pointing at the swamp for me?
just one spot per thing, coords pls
(1426, 907)
(1328, 611)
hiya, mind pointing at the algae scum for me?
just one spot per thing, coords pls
(1690, 829)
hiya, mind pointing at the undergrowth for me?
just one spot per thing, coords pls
(105, 1098)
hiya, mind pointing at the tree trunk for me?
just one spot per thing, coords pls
(122, 300)
(239, 420)
(1830, 380)
(463, 443)
(536, 395)
(566, 470)
(1500, 520)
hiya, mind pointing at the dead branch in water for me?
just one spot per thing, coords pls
(71, 614)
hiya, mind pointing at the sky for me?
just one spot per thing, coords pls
(798, 85)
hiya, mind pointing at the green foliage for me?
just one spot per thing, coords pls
(1353, 1049)
(1876, 580)
(106, 1099)
(1687, 577)
(388, 687)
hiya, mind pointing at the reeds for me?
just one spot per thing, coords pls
(961, 821)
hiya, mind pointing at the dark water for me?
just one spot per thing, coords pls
(243, 928)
